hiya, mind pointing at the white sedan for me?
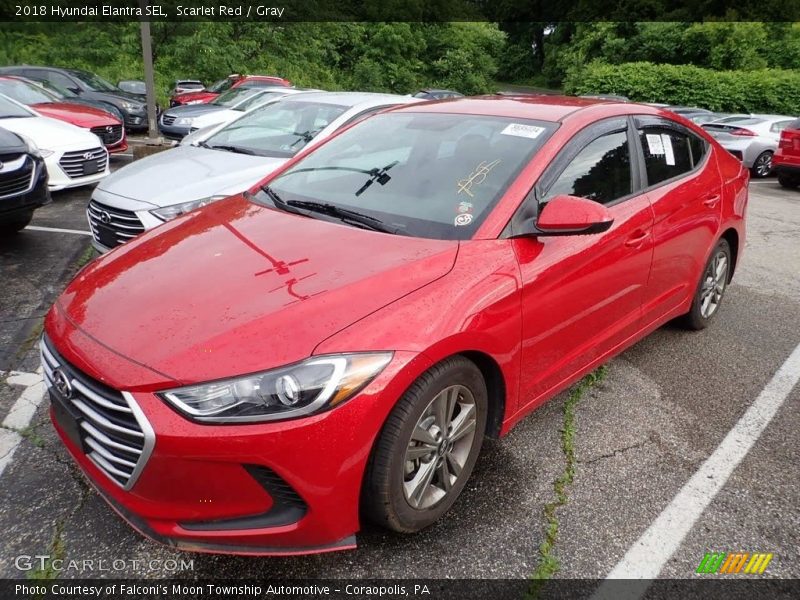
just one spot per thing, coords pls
(72, 156)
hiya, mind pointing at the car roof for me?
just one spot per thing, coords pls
(353, 99)
(541, 108)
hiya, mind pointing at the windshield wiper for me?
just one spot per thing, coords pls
(344, 214)
(379, 175)
(237, 149)
(280, 202)
(303, 136)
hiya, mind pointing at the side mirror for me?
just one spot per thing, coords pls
(75, 90)
(570, 215)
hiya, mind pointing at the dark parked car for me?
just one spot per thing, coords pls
(90, 86)
(23, 182)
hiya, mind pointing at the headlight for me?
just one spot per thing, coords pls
(34, 149)
(176, 210)
(132, 107)
(183, 121)
(313, 385)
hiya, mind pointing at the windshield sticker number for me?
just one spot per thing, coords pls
(477, 177)
(520, 130)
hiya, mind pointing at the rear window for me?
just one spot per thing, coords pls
(669, 153)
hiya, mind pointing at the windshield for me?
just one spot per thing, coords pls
(25, 93)
(57, 91)
(279, 130)
(96, 83)
(233, 96)
(12, 110)
(221, 85)
(424, 175)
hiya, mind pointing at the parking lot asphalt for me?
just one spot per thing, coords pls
(638, 436)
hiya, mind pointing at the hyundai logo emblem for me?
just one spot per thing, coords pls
(109, 128)
(62, 384)
(105, 217)
(88, 155)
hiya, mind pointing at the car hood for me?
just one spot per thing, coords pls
(82, 116)
(118, 96)
(192, 110)
(192, 172)
(52, 134)
(236, 288)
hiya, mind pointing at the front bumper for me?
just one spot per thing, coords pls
(38, 195)
(172, 132)
(60, 180)
(214, 488)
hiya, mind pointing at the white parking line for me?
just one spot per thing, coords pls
(647, 557)
(21, 413)
(58, 230)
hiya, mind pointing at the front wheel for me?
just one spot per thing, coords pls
(16, 224)
(427, 447)
(788, 181)
(711, 289)
(762, 166)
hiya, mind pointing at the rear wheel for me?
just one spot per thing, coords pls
(788, 181)
(427, 448)
(762, 166)
(711, 288)
(17, 223)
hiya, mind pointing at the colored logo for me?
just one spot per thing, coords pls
(735, 562)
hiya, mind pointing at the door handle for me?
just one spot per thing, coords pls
(712, 200)
(637, 239)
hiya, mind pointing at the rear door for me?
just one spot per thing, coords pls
(685, 189)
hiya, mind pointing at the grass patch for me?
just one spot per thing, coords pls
(55, 552)
(548, 562)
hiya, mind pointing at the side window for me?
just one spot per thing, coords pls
(600, 172)
(667, 153)
(779, 126)
(699, 148)
(58, 80)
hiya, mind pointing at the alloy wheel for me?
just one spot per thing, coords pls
(439, 447)
(714, 281)
(763, 164)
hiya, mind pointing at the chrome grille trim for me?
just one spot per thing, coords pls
(14, 181)
(116, 435)
(125, 224)
(72, 162)
(109, 138)
(167, 119)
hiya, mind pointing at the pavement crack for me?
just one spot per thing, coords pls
(617, 451)
(548, 563)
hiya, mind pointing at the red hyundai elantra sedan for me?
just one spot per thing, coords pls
(259, 375)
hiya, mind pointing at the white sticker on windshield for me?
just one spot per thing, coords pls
(520, 130)
(668, 153)
(654, 144)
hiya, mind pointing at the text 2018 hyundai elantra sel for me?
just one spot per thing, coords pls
(223, 161)
(258, 375)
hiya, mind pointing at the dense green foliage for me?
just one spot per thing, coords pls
(764, 90)
(394, 57)
(717, 64)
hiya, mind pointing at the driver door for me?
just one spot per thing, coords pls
(582, 294)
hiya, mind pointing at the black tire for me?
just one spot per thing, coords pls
(762, 165)
(696, 319)
(17, 223)
(788, 181)
(384, 500)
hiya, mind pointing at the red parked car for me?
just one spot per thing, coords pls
(259, 375)
(101, 123)
(223, 85)
(786, 160)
